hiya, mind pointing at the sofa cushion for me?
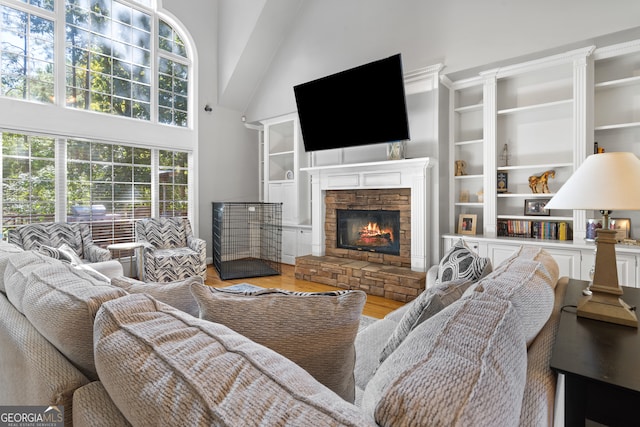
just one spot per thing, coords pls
(61, 302)
(6, 251)
(176, 294)
(315, 330)
(188, 369)
(428, 303)
(369, 344)
(464, 366)
(540, 390)
(460, 262)
(19, 268)
(527, 279)
(32, 371)
(93, 407)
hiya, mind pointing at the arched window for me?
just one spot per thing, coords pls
(120, 58)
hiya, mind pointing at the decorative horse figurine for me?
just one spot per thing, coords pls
(542, 181)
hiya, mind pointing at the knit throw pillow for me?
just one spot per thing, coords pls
(428, 303)
(460, 262)
(315, 330)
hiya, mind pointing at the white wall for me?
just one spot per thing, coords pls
(227, 152)
(333, 35)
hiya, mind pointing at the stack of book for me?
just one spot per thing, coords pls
(546, 230)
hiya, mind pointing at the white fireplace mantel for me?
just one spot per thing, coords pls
(408, 173)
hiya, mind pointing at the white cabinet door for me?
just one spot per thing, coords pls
(568, 261)
(626, 264)
(289, 243)
(497, 253)
(284, 192)
(304, 242)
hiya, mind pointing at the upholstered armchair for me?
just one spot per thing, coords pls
(171, 252)
(76, 236)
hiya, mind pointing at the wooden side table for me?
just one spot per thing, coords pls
(600, 362)
(134, 247)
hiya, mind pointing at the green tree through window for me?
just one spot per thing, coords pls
(28, 179)
(26, 56)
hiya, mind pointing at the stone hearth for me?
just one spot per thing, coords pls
(396, 283)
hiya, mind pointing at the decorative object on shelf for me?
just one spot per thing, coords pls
(540, 183)
(395, 150)
(631, 242)
(460, 168)
(592, 226)
(467, 223)
(480, 196)
(503, 182)
(622, 227)
(536, 207)
(288, 174)
(505, 156)
(595, 147)
(464, 196)
(604, 181)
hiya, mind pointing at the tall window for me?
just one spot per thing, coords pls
(173, 75)
(111, 57)
(26, 55)
(108, 186)
(174, 181)
(28, 179)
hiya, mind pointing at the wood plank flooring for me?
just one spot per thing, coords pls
(375, 306)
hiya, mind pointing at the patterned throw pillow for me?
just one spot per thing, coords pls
(70, 253)
(55, 253)
(428, 303)
(315, 330)
(460, 262)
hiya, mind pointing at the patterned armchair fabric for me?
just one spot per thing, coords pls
(55, 234)
(171, 252)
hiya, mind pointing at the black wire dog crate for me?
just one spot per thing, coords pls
(247, 239)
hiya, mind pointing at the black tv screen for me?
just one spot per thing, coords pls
(362, 105)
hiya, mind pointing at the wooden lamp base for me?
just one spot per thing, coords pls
(605, 303)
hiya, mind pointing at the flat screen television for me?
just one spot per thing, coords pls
(359, 106)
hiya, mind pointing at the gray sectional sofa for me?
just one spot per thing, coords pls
(116, 358)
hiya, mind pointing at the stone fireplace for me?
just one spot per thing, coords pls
(386, 259)
(389, 208)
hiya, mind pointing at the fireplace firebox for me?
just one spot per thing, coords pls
(369, 230)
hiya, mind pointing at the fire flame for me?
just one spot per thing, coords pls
(372, 229)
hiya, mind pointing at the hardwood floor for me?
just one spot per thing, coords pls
(375, 306)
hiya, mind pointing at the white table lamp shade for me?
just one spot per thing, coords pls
(607, 181)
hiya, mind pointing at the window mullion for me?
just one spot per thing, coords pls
(155, 183)
(61, 180)
(59, 55)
